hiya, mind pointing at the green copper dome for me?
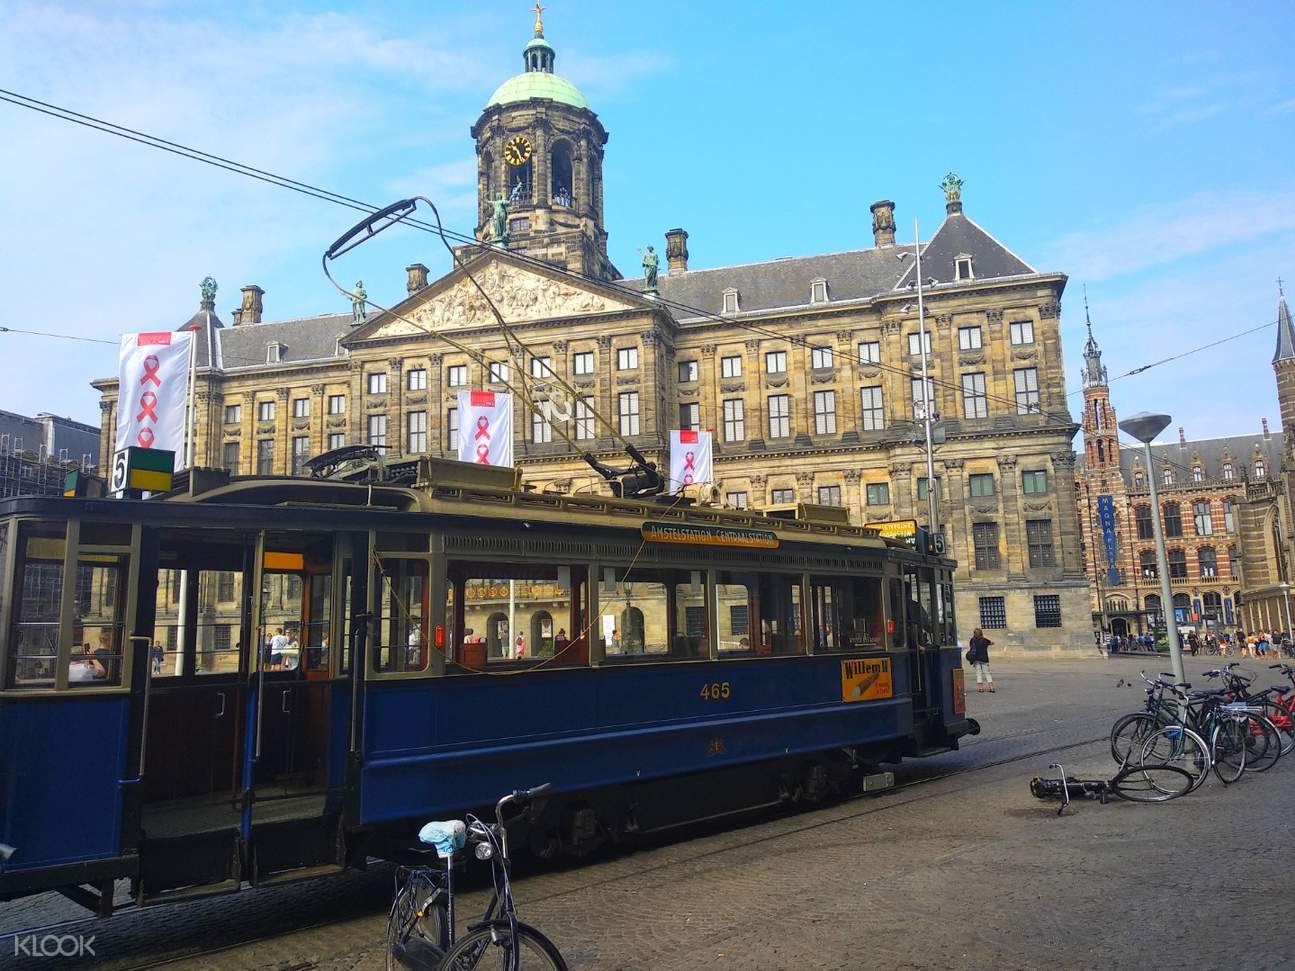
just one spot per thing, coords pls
(538, 81)
(538, 84)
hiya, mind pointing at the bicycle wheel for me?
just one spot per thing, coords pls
(417, 926)
(1263, 744)
(1228, 750)
(1152, 783)
(487, 949)
(1129, 733)
(1283, 721)
(1182, 747)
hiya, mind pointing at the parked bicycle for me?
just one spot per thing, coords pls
(421, 925)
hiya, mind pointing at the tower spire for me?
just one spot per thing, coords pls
(1094, 373)
(1285, 329)
(1088, 320)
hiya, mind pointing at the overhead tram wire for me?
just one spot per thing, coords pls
(326, 195)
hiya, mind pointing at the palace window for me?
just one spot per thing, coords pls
(1147, 565)
(627, 358)
(233, 414)
(779, 416)
(300, 453)
(818, 291)
(456, 376)
(688, 372)
(378, 382)
(690, 416)
(825, 412)
(336, 440)
(923, 488)
(915, 343)
(993, 613)
(1172, 519)
(919, 408)
(499, 372)
(416, 433)
(273, 352)
(451, 429)
(734, 419)
(736, 500)
(584, 415)
(829, 495)
(730, 367)
(870, 352)
(962, 268)
(872, 416)
(377, 429)
(1177, 565)
(583, 363)
(1203, 519)
(975, 402)
(1142, 518)
(782, 496)
(541, 430)
(416, 379)
(265, 456)
(1027, 390)
(337, 404)
(627, 410)
(730, 301)
(230, 456)
(542, 367)
(1022, 331)
(820, 357)
(1047, 610)
(984, 538)
(1034, 482)
(969, 338)
(775, 362)
(300, 407)
(1038, 538)
(981, 484)
(1209, 562)
(878, 493)
(265, 411)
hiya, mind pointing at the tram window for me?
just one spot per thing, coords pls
(759, 613)
(866, 626)
(282, 616)
(218, 629)
(950, 624)
(733, 595)
(315, 630)
(824, 602)
(165, 658)
(515, 613)
(781, 619)
(897, 614)
(33, 641)
(927, 618)
(647, 614)
(98, 624)
(403, 610)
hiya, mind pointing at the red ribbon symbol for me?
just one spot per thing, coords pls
(145, 437)
(148, 401)
(688, 464)
(483, 431)
(483, 454)
(151, 366)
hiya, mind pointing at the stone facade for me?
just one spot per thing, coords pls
(805, 369)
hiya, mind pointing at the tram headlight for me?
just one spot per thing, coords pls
(484, 851)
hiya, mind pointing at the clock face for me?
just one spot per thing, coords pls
(517, 150)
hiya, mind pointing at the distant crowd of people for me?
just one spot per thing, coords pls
(1259, 644)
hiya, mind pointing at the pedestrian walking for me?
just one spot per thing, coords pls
(978, 658)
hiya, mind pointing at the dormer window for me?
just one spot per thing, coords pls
(1261, 470)
(1169, 477)
(1227, 471)
(1198, 474)
(273, 352)
(730, 301)
(818, 291)
(962, 267)
(338, 349)
(1137, 480)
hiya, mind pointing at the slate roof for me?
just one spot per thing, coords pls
(960, 236)
(303, 339)
(205, 324)
(1285, 333)
(1239, 450)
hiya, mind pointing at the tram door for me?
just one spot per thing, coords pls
(921, 634)
(297, 693)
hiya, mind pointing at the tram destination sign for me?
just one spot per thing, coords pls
(904, 530)
(696, 534)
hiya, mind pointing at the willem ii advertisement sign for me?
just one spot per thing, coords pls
(153, 370)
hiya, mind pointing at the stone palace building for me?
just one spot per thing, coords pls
(807, 369)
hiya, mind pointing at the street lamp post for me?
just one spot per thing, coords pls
(1145, 426)
(927, 417)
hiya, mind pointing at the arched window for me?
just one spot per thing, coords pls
(1147, 565)
(561, 174)
(1261, 469)
(1177, 565)
(1182, 607)
(1209, 562)
(1198, 474)
(1169, 476)
(1142, 516)
(1234, 569)
(1213, 604)
(1151, 603)
(1227, 471)
(1203, 518)
(1138, 480)
(1173, 519)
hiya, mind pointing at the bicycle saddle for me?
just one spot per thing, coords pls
(446, 835)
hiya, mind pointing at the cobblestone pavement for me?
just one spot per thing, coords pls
(958, 870)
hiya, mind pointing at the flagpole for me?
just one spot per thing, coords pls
(189, 428)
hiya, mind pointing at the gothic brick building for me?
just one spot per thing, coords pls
(1225, 506)
(807, 369)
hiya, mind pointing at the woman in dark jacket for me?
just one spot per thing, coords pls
(978, 655)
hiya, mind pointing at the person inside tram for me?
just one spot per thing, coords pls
(86, 667)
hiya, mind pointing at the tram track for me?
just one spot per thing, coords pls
(883, 801)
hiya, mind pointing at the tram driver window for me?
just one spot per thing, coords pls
(34, 634)
(98, 620)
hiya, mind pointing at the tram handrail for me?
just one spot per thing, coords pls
(143, 718)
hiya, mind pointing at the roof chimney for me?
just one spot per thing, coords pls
(883, 222)
(1182, 437)
(417, 277)
(252, 305)
(676, 250)
(1265, 423)
(236, 315)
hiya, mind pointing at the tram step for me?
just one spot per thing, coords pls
(878, 781)
(304, 873)
(190, 893)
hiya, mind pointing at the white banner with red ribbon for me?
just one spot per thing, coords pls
(153, 389)
(690, 458)
(486, 427)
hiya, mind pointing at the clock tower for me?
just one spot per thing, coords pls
(540, 149)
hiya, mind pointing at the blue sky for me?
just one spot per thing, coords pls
(1141, 149)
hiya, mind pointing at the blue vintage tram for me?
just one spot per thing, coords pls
(254, 680)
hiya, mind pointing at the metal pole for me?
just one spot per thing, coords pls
(1162, 563)
(932, 505)
(510, 649)
(190, 429)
